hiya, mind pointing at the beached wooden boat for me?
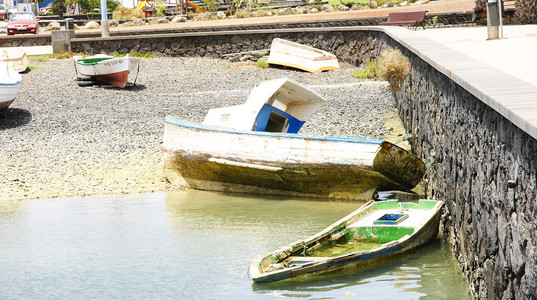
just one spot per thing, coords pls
(255, 148)
(106, 68)
(16, 58)
(303, 57)
(9, 85)
(375, 232)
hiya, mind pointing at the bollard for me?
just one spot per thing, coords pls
(61, 41)
(105, 30)
(493, 20)
(70, 25)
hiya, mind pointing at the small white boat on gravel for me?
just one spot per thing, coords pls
(107, 69)
(295, 55)
(16, 58)
(10, 80)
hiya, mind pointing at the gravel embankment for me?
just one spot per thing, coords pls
(60, 139)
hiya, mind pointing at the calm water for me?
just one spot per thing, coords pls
(190, 245)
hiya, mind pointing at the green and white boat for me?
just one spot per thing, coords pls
(374, 232)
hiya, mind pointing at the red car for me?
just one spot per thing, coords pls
(22, 22)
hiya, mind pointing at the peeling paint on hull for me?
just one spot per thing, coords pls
(216, 158)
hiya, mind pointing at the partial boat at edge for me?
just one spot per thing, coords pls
(10, 81)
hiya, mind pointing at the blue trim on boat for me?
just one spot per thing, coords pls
(272, 134)
(16, 83)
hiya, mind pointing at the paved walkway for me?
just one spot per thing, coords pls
(515, 54)
(501, 73)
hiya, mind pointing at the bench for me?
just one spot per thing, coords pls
(411, 18)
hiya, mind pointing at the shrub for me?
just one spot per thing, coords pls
(211, 5)
(370, 71)
(263, 12)
(262, 63)
(393, 67)
(123, 13)
(242, 13)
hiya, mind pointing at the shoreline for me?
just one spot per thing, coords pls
(62, 140)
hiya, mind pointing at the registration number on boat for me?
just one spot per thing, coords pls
(115, 62)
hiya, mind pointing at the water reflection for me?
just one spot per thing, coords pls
(190, 245)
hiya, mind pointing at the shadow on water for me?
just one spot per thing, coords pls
(14, 117)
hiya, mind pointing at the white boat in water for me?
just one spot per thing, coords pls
(16, 58)
(106, 68)
(295, 55)
(10, 80)
(255, 148)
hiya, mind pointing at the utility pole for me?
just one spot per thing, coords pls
(105, 31)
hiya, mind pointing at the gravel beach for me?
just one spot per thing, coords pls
(59, 139)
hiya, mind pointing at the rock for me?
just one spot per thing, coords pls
(92, 25)
(285, 11)
(253, 14)
(373, 4)
(138, 22)
(127, 24)
(178, 19)
(356, 6)
(52, 26)
(220, 15)
(387, 4)
(343, 8)
(162, 21)
(113, 23)
(313, 10)
(420, 2)
(302, 10)
(76, 27)
(404, 3)
(203, 17)
(327, 8)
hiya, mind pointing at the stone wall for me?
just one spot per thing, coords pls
(25, 40)
(349, 45)
(478, 162)
(485, 168)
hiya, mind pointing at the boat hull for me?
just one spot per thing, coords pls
(10, 81)
(360, 259)
(16, 58)
(113, 71)
(222, 159)
(306, 58)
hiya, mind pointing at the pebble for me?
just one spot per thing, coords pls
(62, 140)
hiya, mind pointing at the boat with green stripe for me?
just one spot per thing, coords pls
(374, 232)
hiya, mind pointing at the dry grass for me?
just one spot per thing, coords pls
(393, 67)
(123, 13)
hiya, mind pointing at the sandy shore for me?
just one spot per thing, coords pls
(60, 139)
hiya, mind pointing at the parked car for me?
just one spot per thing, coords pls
(22, 22)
